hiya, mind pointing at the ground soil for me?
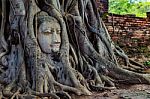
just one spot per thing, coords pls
(139, 91)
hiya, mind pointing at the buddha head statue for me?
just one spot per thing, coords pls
(48, 33)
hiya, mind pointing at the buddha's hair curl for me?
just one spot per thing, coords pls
(41, 17)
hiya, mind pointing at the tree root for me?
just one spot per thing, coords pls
(128, 77)
(108, 81)
(92, 53)
(30, 93)
(136, 63)
(134, 69)
(1, 95)
(1, 70)
(55, 95)
(16, 93)
(68, 88)
(117, 74)
(100, 88)
(63, 94)
(7, 91)
(47, 95)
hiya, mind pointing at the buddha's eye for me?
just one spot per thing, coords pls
(52, 31)
(58, 31)
(46, 33)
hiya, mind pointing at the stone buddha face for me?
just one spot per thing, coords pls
(48, 36)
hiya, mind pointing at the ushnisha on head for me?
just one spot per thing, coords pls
(48, 32)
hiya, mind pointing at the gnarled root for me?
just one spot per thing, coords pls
(128, 77)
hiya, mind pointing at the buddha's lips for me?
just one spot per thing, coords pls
(55, 45)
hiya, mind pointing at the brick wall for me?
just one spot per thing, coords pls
(128, 30)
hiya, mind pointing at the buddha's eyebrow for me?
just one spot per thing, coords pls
(48, 30)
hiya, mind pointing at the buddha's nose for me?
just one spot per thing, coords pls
(55, 39)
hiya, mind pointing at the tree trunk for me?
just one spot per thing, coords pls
(83, 60)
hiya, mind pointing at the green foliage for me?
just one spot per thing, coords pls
(147, 63)
(124, 7)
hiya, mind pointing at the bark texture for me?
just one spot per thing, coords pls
(87, 60)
